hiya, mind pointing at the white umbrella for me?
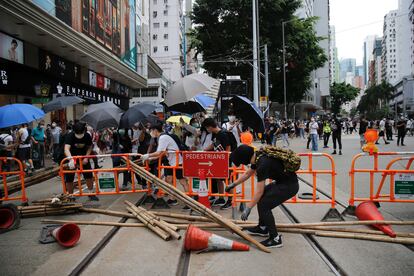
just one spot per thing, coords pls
(187, 88)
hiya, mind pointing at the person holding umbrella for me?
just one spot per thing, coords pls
(78, 143)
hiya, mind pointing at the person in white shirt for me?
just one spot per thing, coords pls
(234, 127)
(6, 148)
(313, 131)
(134, 135)
(23, 150)
(381, 132)
(168, 146)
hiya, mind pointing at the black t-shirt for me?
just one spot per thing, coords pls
(220, 140)
(273, 128)
(271, 168)
(78, 146)
(363, 127)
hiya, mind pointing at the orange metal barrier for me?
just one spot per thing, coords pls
(242, 196)
(4, 174)
(98, 173)
(388, 171)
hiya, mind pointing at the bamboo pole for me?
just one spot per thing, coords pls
(135, 211)
(100, 223)
(107, 212)
(172, 227)
(196, 206)
(160, 232)
(354, 230)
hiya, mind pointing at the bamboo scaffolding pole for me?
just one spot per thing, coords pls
(196, 206)
(354, 230)
(99, 223)
(161, 233)
(135, 211)
(172, 227)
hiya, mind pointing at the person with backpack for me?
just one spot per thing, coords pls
(23, 153)
(336, 135)
(223, 140)
(168, 144)
(272, 163)
(6, 148)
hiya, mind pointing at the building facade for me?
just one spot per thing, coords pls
(368, 47)
(333, 61)
(403, 30)
(166, 31)
(390, 57)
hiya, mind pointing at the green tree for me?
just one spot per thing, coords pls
(375, 100)
(342, 93)
(223, 34)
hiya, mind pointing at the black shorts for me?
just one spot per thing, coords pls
(178, 173)
(69, 177)
(381, 133)
(23, 154)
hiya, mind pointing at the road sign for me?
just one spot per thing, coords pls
(404, 185)
(263, 101)
(215, 164)
(106, 181)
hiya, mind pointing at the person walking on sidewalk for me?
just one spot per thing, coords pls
(363, 125)
(336, 134)
(382, 132)
(326, 133)
(38, 150)
(313, 131)
(267, 197)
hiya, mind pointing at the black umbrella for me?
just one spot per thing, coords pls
(189, 107)
(249, 113)
(61, 102)
(152, 119)
(136, 114)
(103, 115)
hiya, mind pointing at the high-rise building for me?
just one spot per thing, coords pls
(369, 42)
(166, 31)
(319, 92)
(347, 65)
(411, 17)
(390, 58)
(403, 29)
(333, 60)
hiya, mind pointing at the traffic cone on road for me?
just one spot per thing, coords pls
(368, 211)
(67, 235)
(9, 217)
(203, 190)
(197, 239)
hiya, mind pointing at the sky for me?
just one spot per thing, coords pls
(356, 19)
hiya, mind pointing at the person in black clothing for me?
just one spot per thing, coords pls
(121, 144)
(336, 134)
(363, 125)
(401, 131)
(79, 143)
(388, 129)
(284, 186)
(221, 142)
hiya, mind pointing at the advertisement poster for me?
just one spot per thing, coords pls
(58, 66)
(128, 43)
(64, 10)
(92, 78)
(100, 83)
(11, 48)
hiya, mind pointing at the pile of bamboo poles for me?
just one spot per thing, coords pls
(48, 210)
(196, 206)
(15, 185)
(322, 229)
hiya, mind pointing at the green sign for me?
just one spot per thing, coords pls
(196, 184)
(106, 181)
(404, 185)
(40, 100)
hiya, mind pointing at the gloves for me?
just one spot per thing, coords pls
(71, 164)
(144, 157)
(246, 213)
(230, 187)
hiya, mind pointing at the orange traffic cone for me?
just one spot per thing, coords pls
(197, 239)
(9, 217)
(67, 235)
(368, 211)
(203, 190)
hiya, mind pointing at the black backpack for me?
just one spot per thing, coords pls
(181, 145)
(29, 137)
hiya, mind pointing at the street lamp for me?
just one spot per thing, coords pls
(284, 64)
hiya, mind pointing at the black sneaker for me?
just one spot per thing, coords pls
(172, 202)
(226, 206)
(257, 231)
(93, 198)
(212, 199)
(340, 152)
(186, 207)
(334, 152)
(273, 242)
(219, 202)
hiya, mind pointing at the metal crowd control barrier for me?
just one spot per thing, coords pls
(106, 180)
(20, 173)
(404, 194)
(332, 213)
(241, 196)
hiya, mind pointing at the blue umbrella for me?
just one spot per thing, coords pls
(17, 114)
(204, 100)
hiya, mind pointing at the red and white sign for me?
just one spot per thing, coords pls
(214, 164)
